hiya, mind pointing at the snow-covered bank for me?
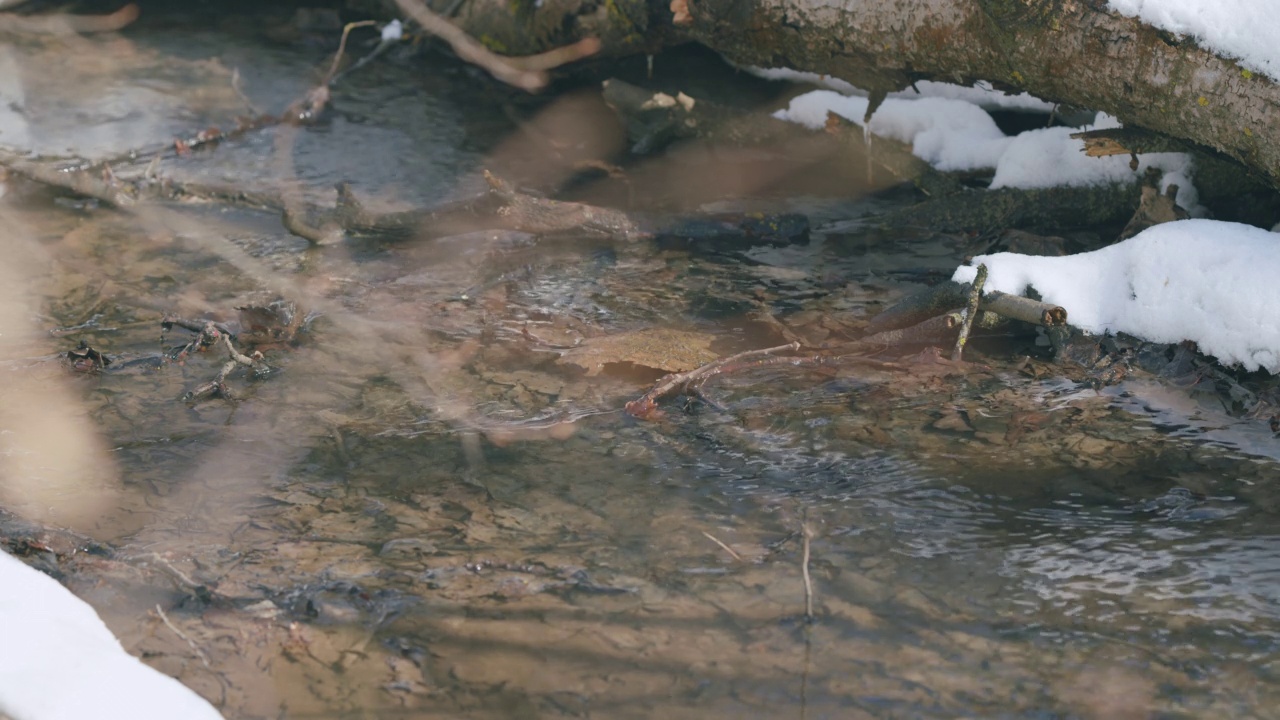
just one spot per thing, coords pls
(1203, 280)
(958, 135)
(58, 661)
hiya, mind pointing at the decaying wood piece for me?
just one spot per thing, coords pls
(1127, 141)
(1016, 307)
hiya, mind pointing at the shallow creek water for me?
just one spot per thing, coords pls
(424, 512)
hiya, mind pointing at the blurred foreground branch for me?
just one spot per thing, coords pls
(527, 73)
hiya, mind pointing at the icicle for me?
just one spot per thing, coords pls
(866, 138)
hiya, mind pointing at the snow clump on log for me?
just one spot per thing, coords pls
(1207, 281)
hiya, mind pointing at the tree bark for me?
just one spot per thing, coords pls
(1075, 52)
(1069, 51)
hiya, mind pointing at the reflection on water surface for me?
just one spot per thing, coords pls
(422, 513)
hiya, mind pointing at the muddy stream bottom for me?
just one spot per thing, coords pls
(433, 505)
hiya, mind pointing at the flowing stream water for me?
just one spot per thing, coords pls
(425, 511)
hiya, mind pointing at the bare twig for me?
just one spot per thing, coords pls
(726, 548)
(552, 59)
(971, 311)
(647, 404)
(807, 535)
(179, 577)
(527, 73)
(198, 651)
(342, 48)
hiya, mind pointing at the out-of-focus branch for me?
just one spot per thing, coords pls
(526, 73)
(65, 23)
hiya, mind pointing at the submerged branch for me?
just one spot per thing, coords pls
(646, 406)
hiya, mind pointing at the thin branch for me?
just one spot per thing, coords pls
(647, 404)
(342, 48)
(807, 534)
(199, 652)
(726, 548)
(527, 73)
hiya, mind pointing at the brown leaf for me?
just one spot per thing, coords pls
(658, 348)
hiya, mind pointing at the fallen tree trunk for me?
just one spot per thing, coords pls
(1075, 52)
(1069, 51)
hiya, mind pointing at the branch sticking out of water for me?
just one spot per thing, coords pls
(971, 311)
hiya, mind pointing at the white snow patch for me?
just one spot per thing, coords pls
(58, 661)
(982, 93)
(1203, 280)
(1050, 157)
(393, 31)
(1240, 29)
(957, 135)
(949, 134)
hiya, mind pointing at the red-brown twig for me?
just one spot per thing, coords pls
(647, 405)
(527, 73)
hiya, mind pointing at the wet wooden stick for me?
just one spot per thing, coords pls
(971, 312)
(807, 535)
(199, 652)
(647, 404)
(727, 549)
